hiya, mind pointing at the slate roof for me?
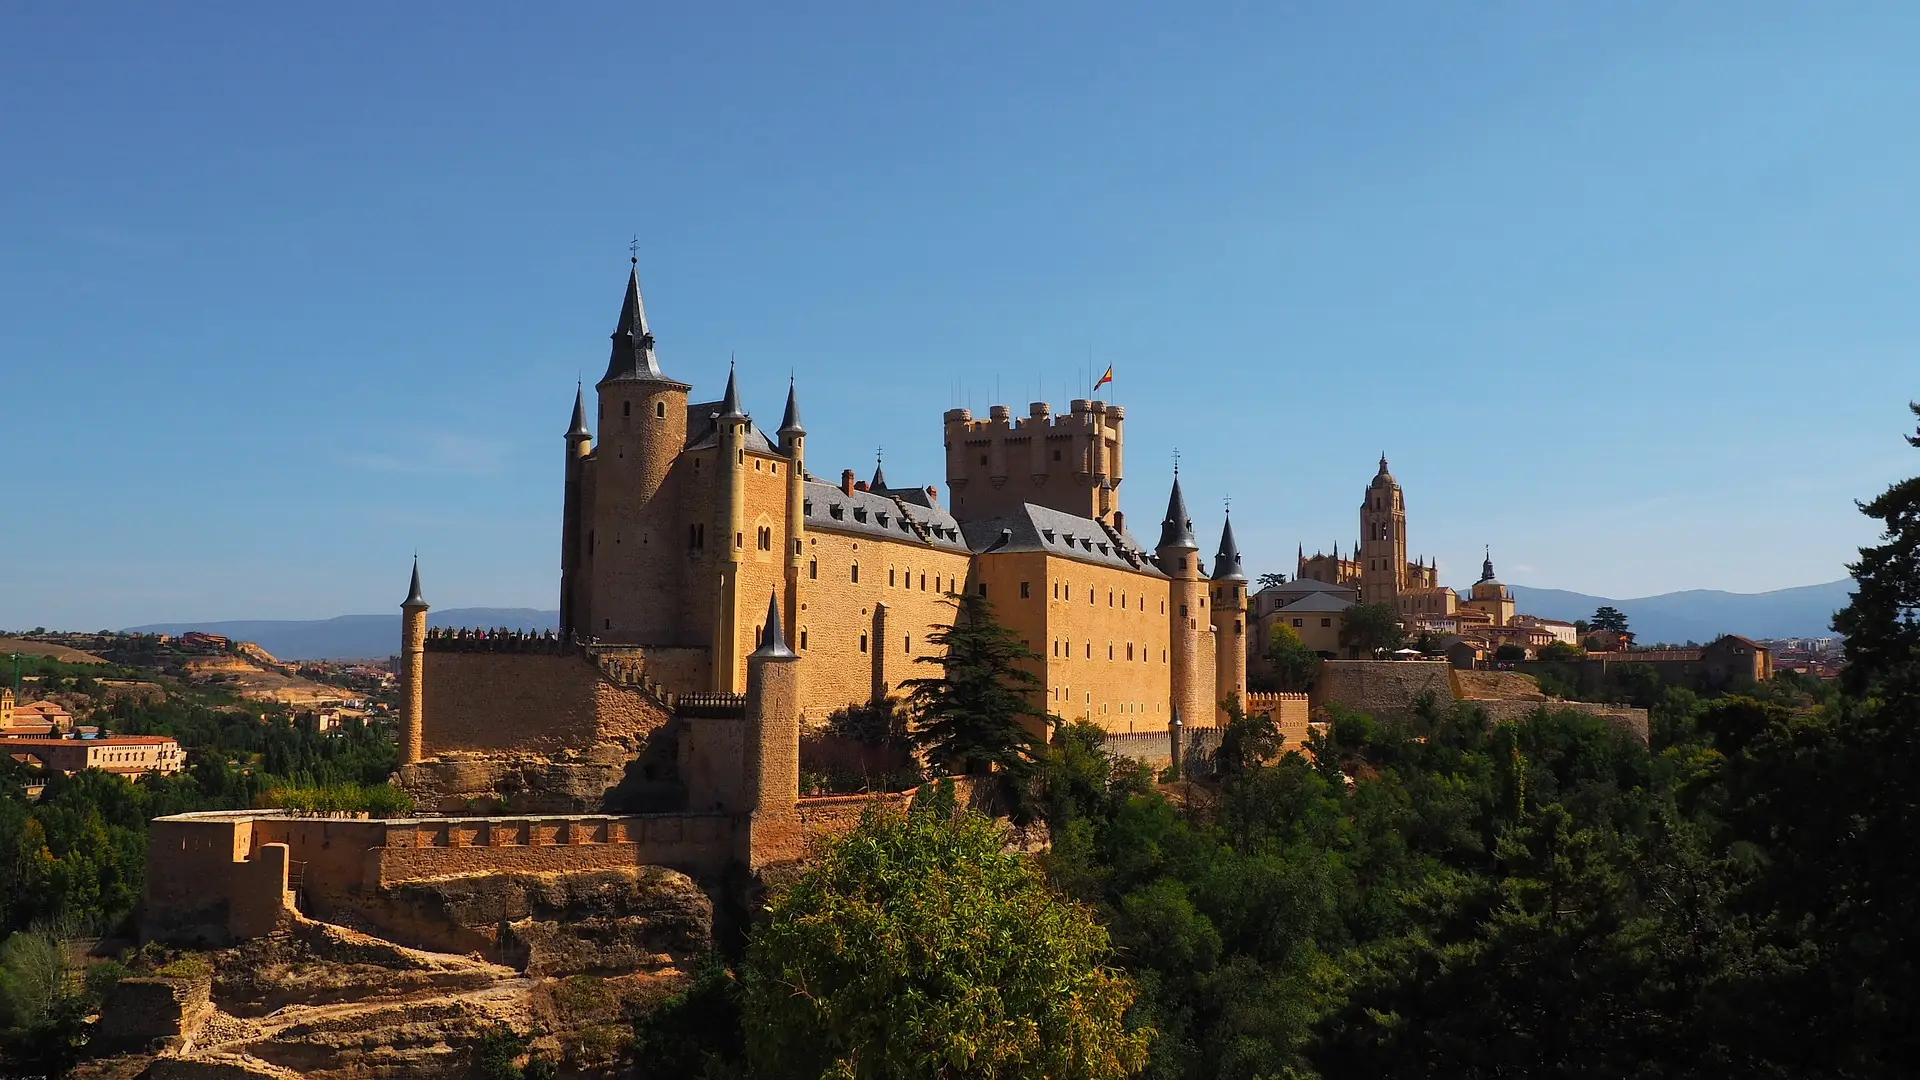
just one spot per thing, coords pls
(1304, 587)
(1037, 528)
(703, 428)
(1316, 602)
(864, 513)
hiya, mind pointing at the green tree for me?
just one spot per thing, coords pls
(1372, 629)
(1294, 665)
(1270, 579)
(1510, 653)
(1561, 652)
(1609, 618)
(976, 714)
(917, 947)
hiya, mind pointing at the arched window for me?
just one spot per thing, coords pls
(856, 578)
(813, 569)
(659, 410)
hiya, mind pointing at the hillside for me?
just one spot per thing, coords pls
(11, 645)
(1703, 614)
(350, 637)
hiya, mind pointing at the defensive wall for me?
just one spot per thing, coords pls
(1290, 713)
(1392, 689)
(218, 877)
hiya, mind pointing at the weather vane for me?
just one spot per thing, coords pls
(633, 249)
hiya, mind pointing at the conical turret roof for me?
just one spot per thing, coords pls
(730, 401)
(1226, 564)
(579, 428)
(774, 642)
(879, 482)
(414, 599)
(1176, 529)
(790, 421)
(632, 358)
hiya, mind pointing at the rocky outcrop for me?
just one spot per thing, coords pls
(629, 920)
(514, 783)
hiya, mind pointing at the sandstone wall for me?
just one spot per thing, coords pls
(1381, 688)
(1290, 714)
(1630, 720)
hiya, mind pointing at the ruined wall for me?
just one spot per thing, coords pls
(1381, 688)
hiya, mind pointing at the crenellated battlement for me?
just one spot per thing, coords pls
(1068, 461)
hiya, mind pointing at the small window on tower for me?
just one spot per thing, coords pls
(626, 408)
(803, 637)
(813, 569)
(1024, 587)
(659, 410)
(856, 579)
(1056, 455)
(863, 643)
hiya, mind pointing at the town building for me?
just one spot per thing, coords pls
(122, 755)
(33, 719)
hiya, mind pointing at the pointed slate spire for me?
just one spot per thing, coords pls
(1486, 568)
(579, 428)
(1176, 529)
(632, 358)
(773, 644)
(790, 422)
(1226, 564)
(878, 484)
(730, 401)
(414, 599)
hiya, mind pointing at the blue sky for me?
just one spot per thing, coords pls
(1624, 290)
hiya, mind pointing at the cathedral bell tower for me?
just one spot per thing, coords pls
(1383, 539)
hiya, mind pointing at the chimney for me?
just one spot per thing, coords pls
(846, 481)
(1120, 522)
(860, 485)
(933, 496)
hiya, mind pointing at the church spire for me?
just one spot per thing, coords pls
(578, 430)
(1486, 568)
(878, 485)
(1176, 530)
(632, 357)
(1226, 564)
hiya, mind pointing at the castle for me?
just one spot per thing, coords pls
(683, 516)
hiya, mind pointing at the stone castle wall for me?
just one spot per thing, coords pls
(552, 705)
(1382, 688)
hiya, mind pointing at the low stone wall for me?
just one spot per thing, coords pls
(1382, 689)
(148, 1015)
(1628, 719)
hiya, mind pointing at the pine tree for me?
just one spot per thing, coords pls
(975, 715)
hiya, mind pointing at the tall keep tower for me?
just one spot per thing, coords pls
(1229, 624)
(1069, 463)
(413, 668)
(643, 426)
(1178, 555)
(793, 443)
(1383, 539)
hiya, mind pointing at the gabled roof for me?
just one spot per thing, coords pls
(1304, 586)
(1316, 602)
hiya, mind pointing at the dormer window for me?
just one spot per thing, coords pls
(837, 510)
(1048, 533)
(1103, 549)
(881, 517)
(859, 513)
(806, 508)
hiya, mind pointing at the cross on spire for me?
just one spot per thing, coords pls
(633, 249)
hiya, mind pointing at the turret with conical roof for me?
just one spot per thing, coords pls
(573, 585)
(772, 765)
(793, 443)
(878, 485)
(1188, 623)
(730, 528)
(790, 426)
(413, 667)
(1229, 624)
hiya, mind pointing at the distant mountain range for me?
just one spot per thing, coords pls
(1693, 615)
(1703, 614)
(351, 637)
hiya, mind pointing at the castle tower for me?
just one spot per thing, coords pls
(1229, 624)
(1069, 463)
(1178, 555)
(635, 570)
(573, 594)
(773, 746)
(1383, 539)
(793, 443)
(730, 510)
(413, 670)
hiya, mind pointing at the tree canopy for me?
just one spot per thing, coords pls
(978, 713)
(1373, 629)
(1608, 618)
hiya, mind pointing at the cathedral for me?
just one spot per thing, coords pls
(682, 517)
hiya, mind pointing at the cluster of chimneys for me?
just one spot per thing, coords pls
(848, 485)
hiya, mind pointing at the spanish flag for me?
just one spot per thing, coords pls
(1104, 379)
